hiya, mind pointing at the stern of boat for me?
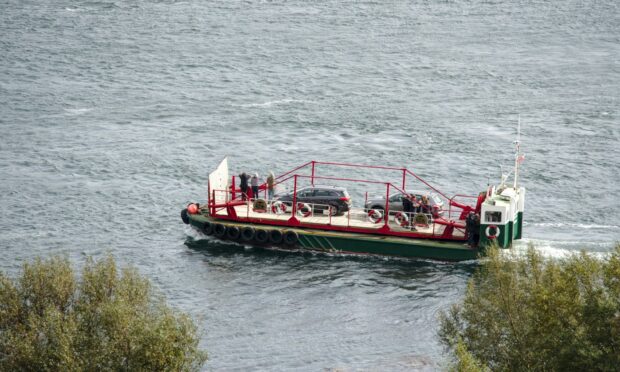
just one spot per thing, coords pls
(501, 216)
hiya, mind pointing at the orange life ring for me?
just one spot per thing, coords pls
(401, 219)
(375, 216)
(303, 209)
(278, 207)
(490, 235)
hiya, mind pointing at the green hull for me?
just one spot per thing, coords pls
(344, 242)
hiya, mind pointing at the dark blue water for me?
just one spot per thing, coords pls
(113, 113)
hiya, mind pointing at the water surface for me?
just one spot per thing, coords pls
(112, 113)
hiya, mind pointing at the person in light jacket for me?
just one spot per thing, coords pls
(254, 183)
(271, 180)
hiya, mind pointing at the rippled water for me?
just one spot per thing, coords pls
(113, 113)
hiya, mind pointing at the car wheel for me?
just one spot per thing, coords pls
(333, 210)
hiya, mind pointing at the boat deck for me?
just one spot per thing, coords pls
(355, 218)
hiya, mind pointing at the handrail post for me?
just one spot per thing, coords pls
(294, 210)
(312, 180)
(404, 178)
(213, 200)
(387, 206)
(234, 195)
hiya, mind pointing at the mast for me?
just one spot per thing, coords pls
(517, 153)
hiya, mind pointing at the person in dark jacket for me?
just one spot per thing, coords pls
(407, 205)
(476, 229)
(472, 227)
(243, 185)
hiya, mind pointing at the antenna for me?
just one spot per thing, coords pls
(502, 177)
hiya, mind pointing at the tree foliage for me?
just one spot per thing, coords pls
(109, 319)
(535, 314)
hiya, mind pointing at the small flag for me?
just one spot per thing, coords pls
(520, 158)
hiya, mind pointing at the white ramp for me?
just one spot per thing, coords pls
(218, 182)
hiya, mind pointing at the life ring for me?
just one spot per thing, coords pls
(219, 230)
(184, 216)
(207, 228)
(401, 219)
(261, 236)
(278, 207)
(275, 236)
(260, 205)
(492, 235)
(247, 233)
(290, 237)
(303, 209)
(375, 215)
(233, 232)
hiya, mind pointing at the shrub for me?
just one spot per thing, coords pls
(531, 314)
(110, 319)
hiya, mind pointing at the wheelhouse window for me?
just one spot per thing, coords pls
(493, 216)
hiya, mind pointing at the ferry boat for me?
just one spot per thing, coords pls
(460, 230)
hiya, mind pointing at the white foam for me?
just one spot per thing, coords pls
(554, 249)
(78, 111)
(572, 225)
(277, 102)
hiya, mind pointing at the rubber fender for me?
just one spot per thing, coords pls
(219, 230)
(275, 236)
(261, 236)
(247, 234)
(207, 228)
(184, 216)
(233, 232)
(290, 238)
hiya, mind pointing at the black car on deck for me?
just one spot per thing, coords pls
(321, 198)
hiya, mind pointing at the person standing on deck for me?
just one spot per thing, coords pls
(243, 185)
(407, 205)
(476, 229)
(470, 222)
(271, 179)
(254, 183)
(425, 206)
(416, 204)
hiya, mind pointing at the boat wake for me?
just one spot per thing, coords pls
(563, 248)
(573, 225)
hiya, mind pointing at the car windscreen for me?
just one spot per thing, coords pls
(436, 198)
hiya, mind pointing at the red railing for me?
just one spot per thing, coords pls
(448, 220)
